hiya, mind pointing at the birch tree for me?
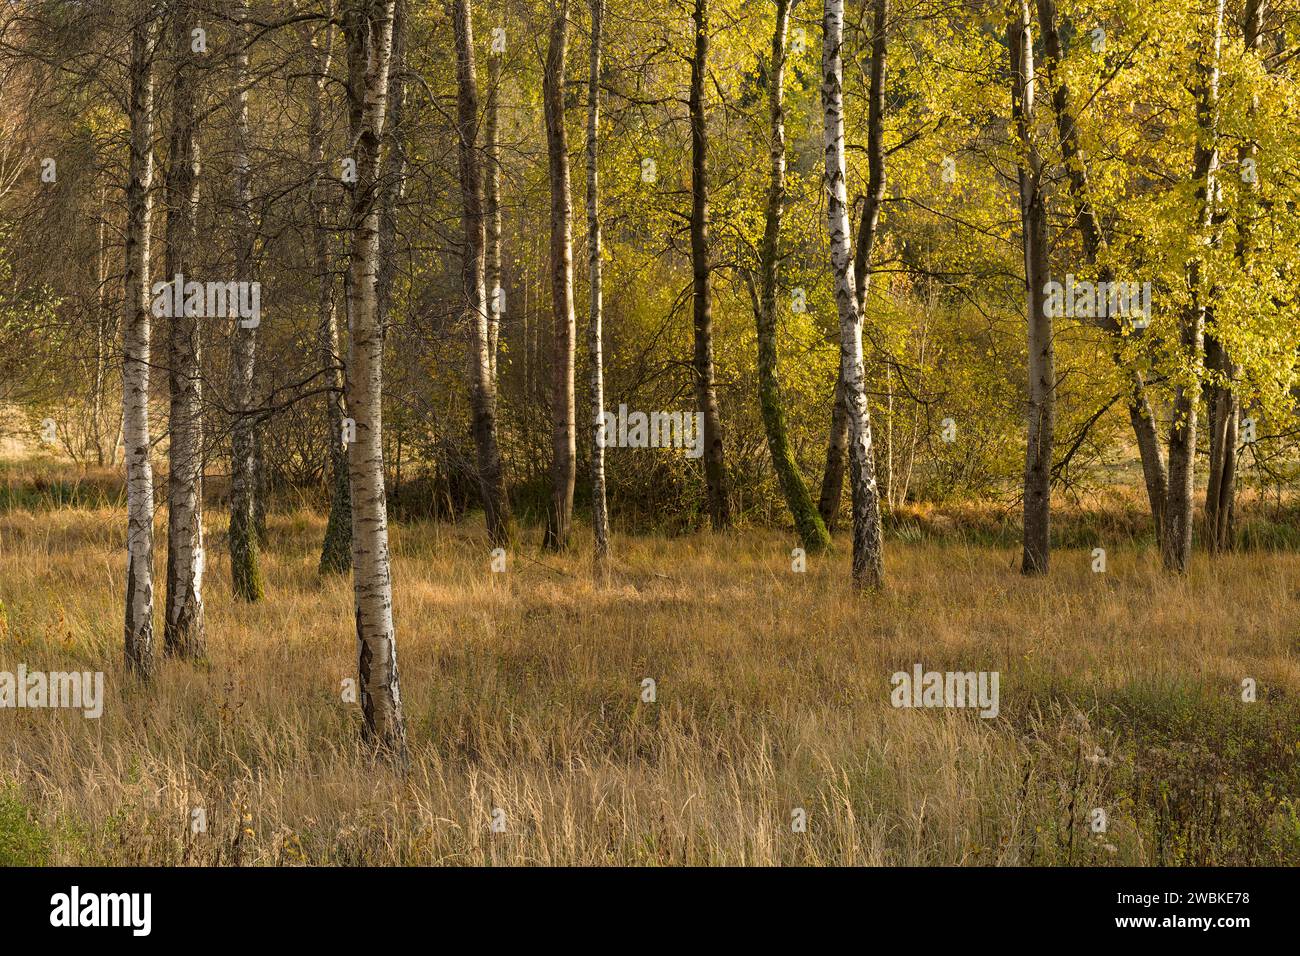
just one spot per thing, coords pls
(1182, 431)
(1223, 401)
(483, 389)
(245, 567)
(368, 25)
(136, 341)
(808, 523)
(828, 502)
(563, 425)
(183, 630)
(336, 549)
(868, 558)
(492, 200)
(1041, 406)
(706, 391)
(1142, 415)
(599, 512)
(392, 171)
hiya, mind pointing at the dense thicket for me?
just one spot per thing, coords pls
(1157, 142)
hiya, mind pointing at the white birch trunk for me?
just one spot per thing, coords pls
(136, 333)
(183, 628)
(244, 564)
(492, 189)
(1041, 367)
(483, 392)
(1182, 433)
(369, 24)
(336, 549)
(599, 512)
(564, 442)
(868, 560)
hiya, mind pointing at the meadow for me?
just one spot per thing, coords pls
(524, 692)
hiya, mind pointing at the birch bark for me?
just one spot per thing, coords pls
(483, 391)
(868, 559)
(369, 28)
(1177, 544)
(245, 567)
(563, 426)
(599, 512)
(812, 531)
(1040, 414)
(706, 391)
(136, 341)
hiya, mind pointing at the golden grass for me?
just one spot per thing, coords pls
(522, 692)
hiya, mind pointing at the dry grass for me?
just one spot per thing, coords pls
(522, 692)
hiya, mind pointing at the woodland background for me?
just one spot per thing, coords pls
(1159, 144)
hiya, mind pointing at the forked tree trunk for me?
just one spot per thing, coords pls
(483, 390)
(559, 524)
(868, 558)
(706, 392)
(1224, 400)
(1182, 432)
(336, 550)
(808, 524)
(1141, 415)
(369, 28)
(1041, 407)
(245, 566)
(599, 511)
(828, 503)
(136, 332)
(183, 628)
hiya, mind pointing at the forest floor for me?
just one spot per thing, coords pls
(523, 690)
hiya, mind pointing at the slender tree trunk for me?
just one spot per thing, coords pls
(245, 568)
(136, 332)
(837, 449)
(599, 512)
(1041, 410)
(1182, 432)
(492, 149)
(891, 499)
(261, 490)
(868, 558)
(1141, 415)
(369, 28)
(807, 522)
(1155, 473)
(564, 429)
(392, 172)
(1224, 400)
(706, 392)
(101, 330)
(336, 550)
(483, 390)
(828, 503)
(1225, 409)
(183, 630)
